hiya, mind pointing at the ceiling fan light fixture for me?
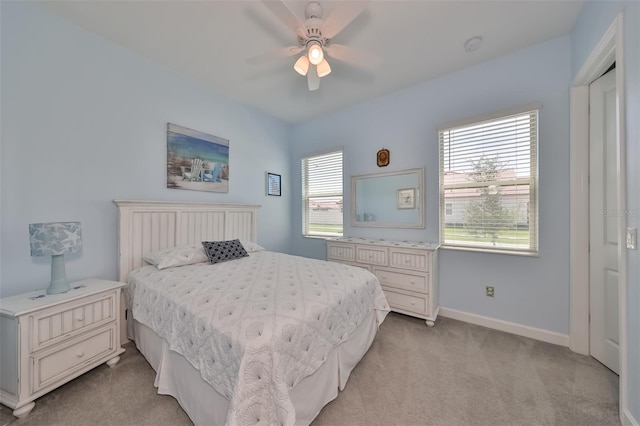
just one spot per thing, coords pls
(302, 65)
(323, 68)
(315, 53)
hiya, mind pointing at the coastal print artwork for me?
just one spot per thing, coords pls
(196, 161)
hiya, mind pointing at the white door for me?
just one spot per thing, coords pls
(603, 222)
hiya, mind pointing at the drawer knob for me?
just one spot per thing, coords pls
(79, 354)
(413, 303)
(79, 319)
(413, 282)
(407, 261)
(384, 277)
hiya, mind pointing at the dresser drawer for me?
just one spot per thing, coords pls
(341, 252)
(58, 362)
(413, 303)
(69, 319)
(418, 261)
(403, 280)
(371, 256)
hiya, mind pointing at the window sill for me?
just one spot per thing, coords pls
(491, 251)
(321, 237)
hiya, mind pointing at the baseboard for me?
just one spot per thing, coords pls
(628, 420)
(509, 327)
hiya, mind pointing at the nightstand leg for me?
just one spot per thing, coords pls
(113, 361)
(430, 323)
(24, 410)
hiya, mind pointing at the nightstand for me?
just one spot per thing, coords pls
(47, 340)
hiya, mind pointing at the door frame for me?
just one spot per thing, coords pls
(609, 49)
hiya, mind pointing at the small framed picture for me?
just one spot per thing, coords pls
(274, 184)
(382, 158)
(406, 198)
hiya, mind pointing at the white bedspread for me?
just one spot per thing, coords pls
(255, 326)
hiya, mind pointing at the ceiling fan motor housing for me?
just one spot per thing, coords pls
(313, 33)
(313, 15)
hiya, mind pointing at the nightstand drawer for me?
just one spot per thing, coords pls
(407, 281)
(60, 361)
(71, 318)
(417, 304)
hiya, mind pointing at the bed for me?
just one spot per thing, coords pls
(266, 338)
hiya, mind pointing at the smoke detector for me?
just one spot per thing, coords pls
(472, 44)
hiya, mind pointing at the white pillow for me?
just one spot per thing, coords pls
(176, 256)
(250, 246)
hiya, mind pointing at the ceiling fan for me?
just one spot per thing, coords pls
(314, 39)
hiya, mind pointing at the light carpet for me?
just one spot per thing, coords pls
(451, 374)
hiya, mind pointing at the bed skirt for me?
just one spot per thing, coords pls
(175, 376)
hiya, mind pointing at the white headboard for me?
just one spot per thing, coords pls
(144, 226)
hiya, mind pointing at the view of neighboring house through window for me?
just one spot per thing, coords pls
(322, 210)
(488, 179)
(448, 207)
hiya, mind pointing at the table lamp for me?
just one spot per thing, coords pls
(55, 239)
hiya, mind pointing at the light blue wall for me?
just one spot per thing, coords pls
(595, 19)
(84, 122)
(529, 291)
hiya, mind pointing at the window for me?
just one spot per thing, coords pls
(448, 208)
(488, 184)
(322, 195)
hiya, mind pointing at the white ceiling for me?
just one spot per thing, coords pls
(210, 42)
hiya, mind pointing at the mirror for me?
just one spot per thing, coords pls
(392, 199)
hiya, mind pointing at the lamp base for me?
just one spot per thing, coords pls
(59, 283)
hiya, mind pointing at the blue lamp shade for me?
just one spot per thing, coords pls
(55, 239)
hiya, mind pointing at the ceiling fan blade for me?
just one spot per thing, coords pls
(282, 11)
(352, 56)
(313, 81)
(284, 52)
(342, 16)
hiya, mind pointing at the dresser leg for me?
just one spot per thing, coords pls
(430, 323)
(113, 361)
(24, 410)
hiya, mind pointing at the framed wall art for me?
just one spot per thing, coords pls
(406, 198)
(196, 161)
(382, 158)
(274, 184)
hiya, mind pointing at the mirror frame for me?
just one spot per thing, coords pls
(420, 201)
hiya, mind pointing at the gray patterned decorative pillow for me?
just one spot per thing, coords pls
(222, 251)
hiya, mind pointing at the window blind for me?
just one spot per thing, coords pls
(488, 180)
(322, 195)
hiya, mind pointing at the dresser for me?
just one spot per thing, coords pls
(408, 271)
(47, 340)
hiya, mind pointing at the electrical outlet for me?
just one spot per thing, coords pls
(490, 291)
